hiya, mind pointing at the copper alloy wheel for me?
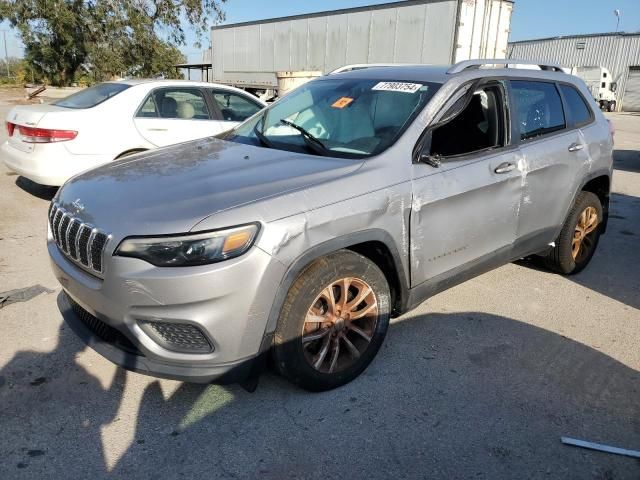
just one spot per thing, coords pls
(583, 236)
(339, 325)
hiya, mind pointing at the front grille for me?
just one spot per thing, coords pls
(104, 332)
(81, 242)
(179, 337)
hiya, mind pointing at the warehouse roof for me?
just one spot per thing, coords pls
(584, 35)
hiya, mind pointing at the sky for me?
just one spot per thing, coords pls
(531, 18)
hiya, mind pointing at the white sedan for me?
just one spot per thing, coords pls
(50, 143)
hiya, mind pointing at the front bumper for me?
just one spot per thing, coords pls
(229, 302)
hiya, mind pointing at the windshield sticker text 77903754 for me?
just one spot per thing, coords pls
(398, 87)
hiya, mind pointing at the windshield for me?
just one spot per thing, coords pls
(92, 96)
(337, 117)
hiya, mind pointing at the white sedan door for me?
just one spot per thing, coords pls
(171, 115)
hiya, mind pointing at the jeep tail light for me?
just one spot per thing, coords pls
(10, 128)
(45, 135)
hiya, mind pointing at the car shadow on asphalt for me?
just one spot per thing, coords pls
(43, 192)
(627, 160)
(457, 395)
(614, 269)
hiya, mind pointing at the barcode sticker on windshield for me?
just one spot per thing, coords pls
(398, 87)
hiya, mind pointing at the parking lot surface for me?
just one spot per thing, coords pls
(478, 382)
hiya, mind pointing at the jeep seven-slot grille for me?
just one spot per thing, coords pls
(81, 242)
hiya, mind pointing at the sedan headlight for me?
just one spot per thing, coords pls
(190, 249)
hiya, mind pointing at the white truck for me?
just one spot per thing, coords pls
(279, 53)
(600, 84)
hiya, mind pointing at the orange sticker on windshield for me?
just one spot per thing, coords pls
(342, 102)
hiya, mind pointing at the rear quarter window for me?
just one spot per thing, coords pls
(577, 109)
(539, 108)
(92, 96)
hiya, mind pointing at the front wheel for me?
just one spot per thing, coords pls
(611, 107)
(333, 321)
(579, 236)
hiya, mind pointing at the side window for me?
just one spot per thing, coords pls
(234, 107)
(148, 109)
(179, 103)
(479, 126)
(577, 109)
(539, 108)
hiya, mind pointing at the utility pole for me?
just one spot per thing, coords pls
(6, 55)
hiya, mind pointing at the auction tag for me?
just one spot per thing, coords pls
(398, 87)
(342, 102)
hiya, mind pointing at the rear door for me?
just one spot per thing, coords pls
(465, 211)
(554, 157)
(171, 115)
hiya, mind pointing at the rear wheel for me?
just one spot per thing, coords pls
(333, 321)
(579, 237)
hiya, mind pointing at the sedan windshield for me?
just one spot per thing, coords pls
(92, 96)
(337, 117)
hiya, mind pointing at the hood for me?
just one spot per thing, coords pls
(171, 189)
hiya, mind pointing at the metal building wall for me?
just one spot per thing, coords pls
(616, 52)
(409, 31)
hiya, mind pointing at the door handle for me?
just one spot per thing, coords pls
(505, 167)
(574, 147)
(157, 129)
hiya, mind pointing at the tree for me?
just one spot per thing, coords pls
(107, 37)
(54, 34)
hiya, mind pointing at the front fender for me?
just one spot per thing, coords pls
(349, 241)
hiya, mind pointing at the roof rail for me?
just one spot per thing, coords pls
(475, 64)
(361, 66)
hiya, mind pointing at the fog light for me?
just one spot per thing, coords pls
(177, 337)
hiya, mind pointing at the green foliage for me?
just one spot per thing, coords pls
(93, 40)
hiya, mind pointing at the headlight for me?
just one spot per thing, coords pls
(190, 249)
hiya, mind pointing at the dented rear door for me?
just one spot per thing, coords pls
(554, 159)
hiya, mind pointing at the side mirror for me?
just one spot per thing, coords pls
(433, 160)
(423, 155)
(613, 86)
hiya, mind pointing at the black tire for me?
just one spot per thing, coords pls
(561, 259)
(292, 357)
(611, 107)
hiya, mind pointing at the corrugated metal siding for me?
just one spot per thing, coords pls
(614, 52)
(632, 93)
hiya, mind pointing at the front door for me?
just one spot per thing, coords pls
(465, 211)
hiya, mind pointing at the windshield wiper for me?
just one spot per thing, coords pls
(311, 141)
(261, 136)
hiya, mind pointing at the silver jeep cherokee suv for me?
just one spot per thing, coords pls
(349, 201)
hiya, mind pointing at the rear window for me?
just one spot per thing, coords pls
(539, 108)
(577, 109)
(92, 96)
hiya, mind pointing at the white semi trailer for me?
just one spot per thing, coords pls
(600, 84)
(264, 54)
